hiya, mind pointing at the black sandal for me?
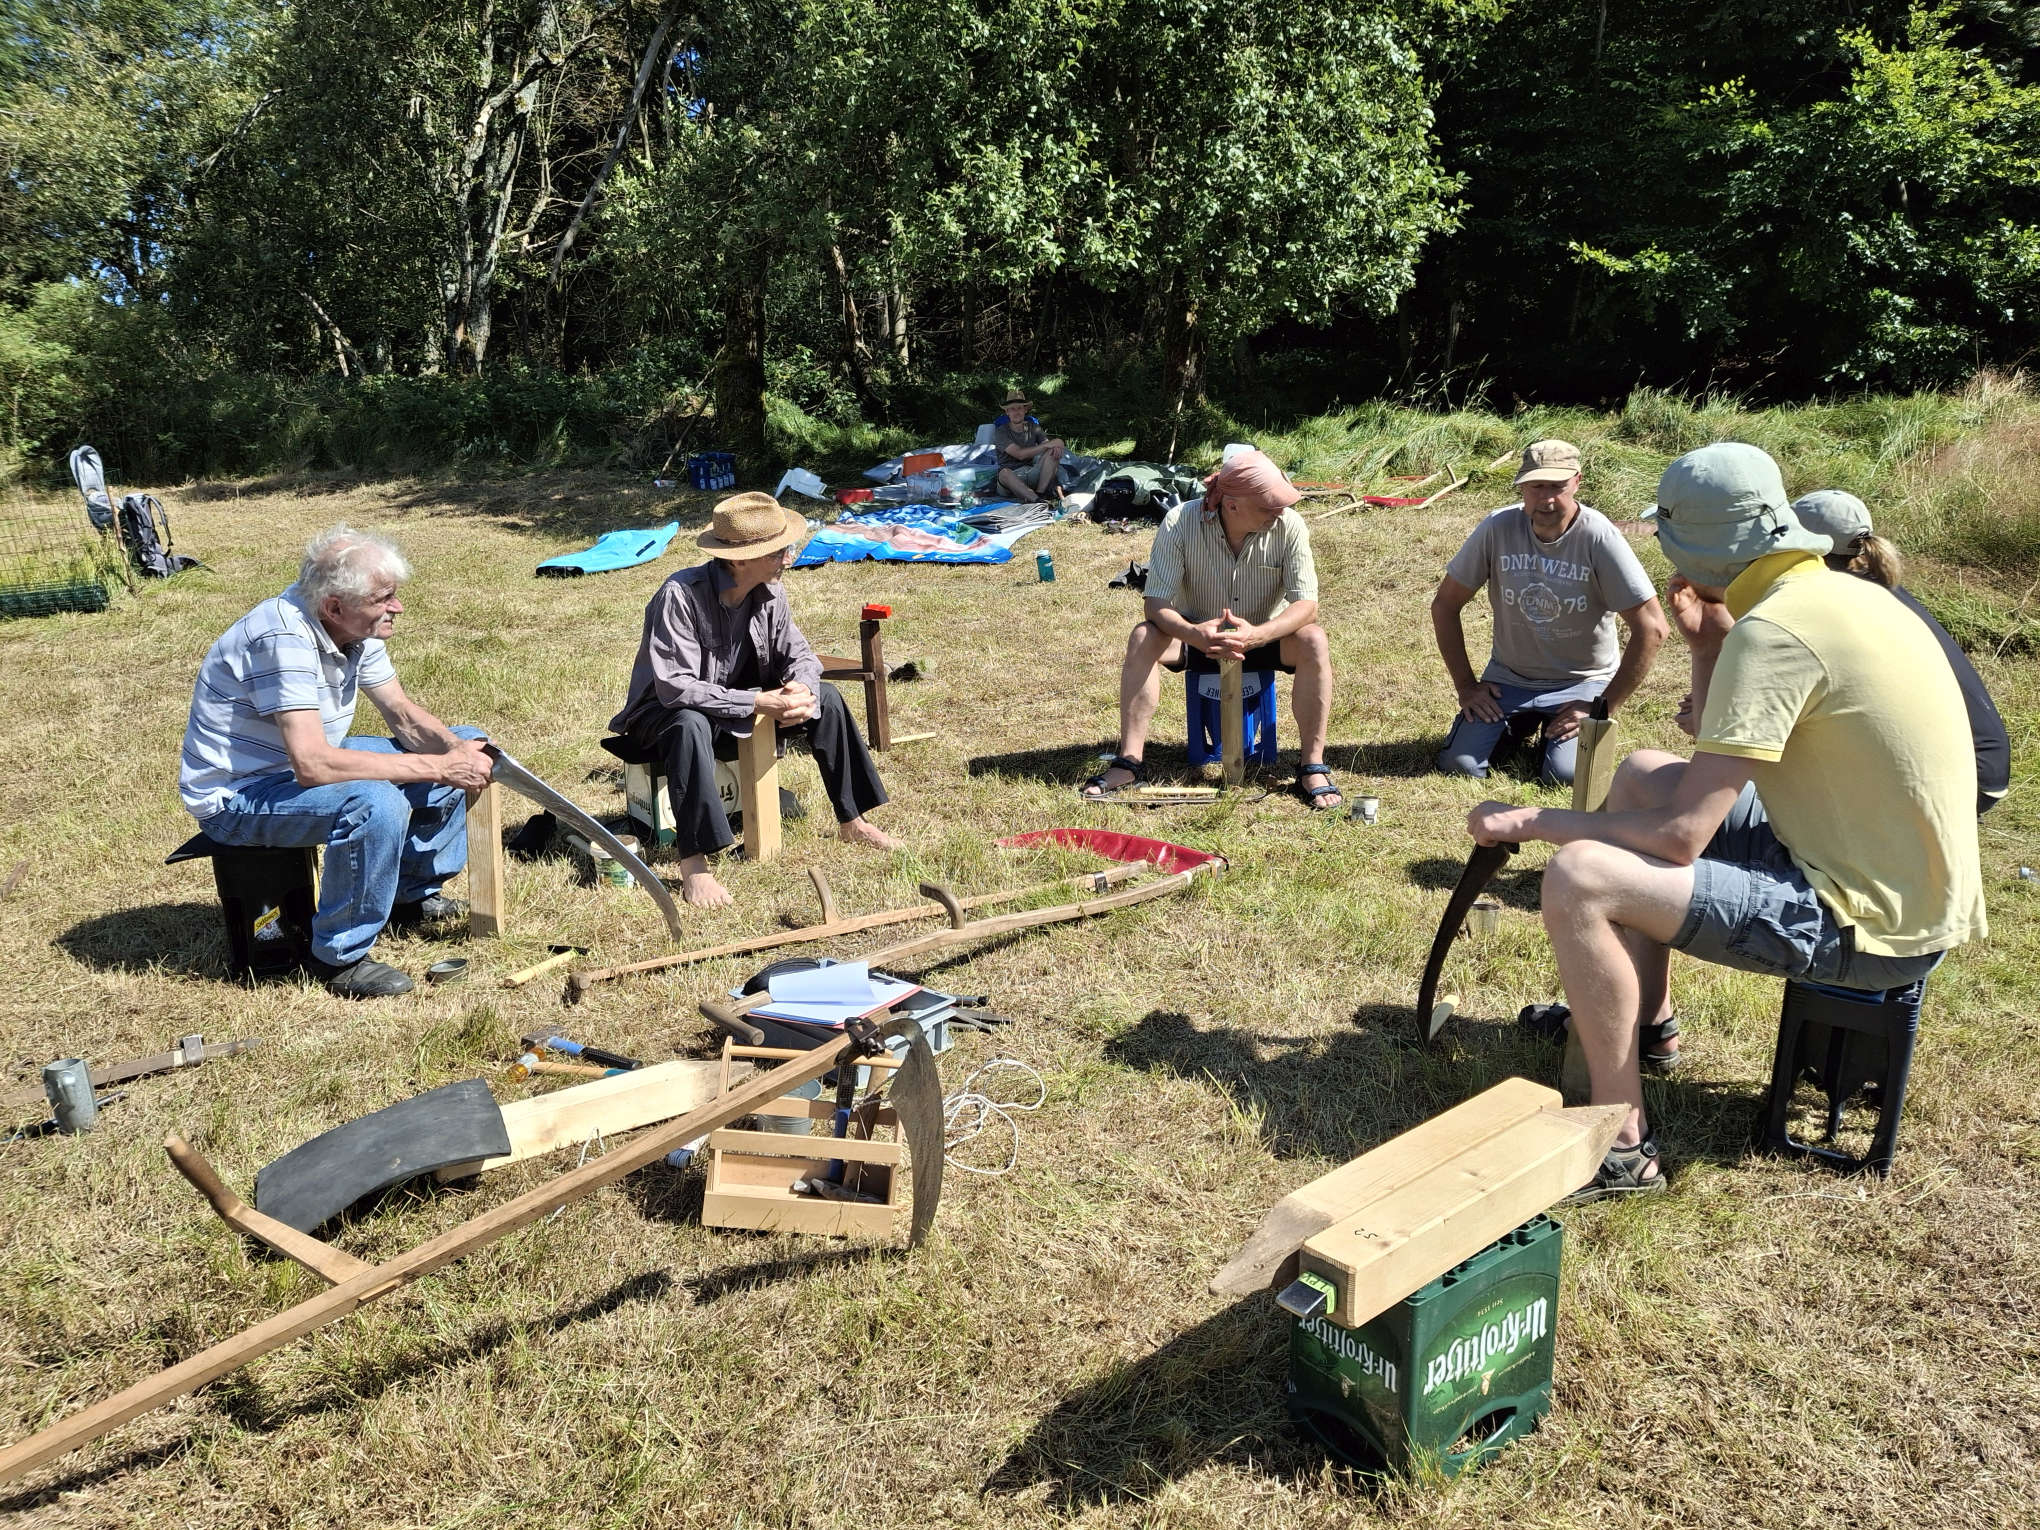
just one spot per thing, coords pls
(1095, 789)
(1550, 1022)
(1311, 794)
(1621, 1174)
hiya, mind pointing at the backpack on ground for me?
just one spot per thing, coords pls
(1145, 491)
(144, 524)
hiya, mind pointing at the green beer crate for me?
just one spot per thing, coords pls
(1451, 1373)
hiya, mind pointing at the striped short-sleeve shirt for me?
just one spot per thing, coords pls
(277, 658)
(1194, 571)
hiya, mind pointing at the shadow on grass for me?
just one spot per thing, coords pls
(1209, 1397)
(105, 1471)
(1073, 763)
(738, 1279)
(1516, 885)
(1335, 1097)
(181, 938)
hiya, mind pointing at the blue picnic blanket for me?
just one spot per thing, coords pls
(911, 534)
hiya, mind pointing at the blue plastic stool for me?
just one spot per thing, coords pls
(1257, 703)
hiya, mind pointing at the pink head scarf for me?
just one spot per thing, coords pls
(1253, 476)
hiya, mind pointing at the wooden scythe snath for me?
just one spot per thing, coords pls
(1481, 867)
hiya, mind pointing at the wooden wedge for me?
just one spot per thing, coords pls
(620, 1103)
(215, 1361)
(1412, 1235)
(1269, 1259)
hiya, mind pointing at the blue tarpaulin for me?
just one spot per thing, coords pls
(910, 534)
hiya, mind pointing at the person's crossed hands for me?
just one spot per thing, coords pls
(791, 704)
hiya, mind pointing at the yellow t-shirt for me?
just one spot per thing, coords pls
(1859, 745)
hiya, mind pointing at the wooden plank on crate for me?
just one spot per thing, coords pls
(621, 1102)
(777, 1144)
(485, 862)
(1414, 1234)
(1269, 1258)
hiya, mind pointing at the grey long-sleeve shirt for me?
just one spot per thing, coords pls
(697, 652)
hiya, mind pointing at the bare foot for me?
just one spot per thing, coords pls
(699, 886)
(858, 832)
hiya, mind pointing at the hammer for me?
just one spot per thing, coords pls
(561, 956)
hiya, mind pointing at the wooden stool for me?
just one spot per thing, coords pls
(870, 669)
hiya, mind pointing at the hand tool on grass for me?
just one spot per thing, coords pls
(189, 1052)
(562, 954)
(552, 1043)
(912, 1084)
(507, 772)
(1481, 867)
(833, 925)
(532, 1065)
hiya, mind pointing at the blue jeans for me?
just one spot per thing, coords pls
(1471, 745)
(385, 844)
(1754, 910)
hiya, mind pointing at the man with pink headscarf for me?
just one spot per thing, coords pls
(1230, 576)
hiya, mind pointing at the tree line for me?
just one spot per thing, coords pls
(842, 204)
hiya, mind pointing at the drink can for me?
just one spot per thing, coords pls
(1044, 565)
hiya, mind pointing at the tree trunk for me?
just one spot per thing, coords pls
(896, 323)
(856, 355)
(1182, 380)
(740, 367)
(653, 54)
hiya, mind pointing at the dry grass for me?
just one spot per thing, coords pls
(1770, 1345)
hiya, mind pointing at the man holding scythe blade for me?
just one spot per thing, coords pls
(1814, 691)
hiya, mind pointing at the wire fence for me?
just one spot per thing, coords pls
(51, 559)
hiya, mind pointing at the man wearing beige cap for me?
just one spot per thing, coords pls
(719, 649)
(1558, 574)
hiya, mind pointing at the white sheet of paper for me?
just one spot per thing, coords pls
(845, 983)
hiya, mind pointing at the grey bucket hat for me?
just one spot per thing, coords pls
(1721, 508)
(1835, 513)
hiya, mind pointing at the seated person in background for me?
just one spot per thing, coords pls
(1030, 460)
(1231, 576)
(720, 648)
(1826, 828)
(268, 763)
(1558, 574)
(1859, 550)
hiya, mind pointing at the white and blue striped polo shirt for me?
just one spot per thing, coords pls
(277, 658)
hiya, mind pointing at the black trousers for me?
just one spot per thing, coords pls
(685, 742)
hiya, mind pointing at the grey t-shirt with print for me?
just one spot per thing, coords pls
(1554, 602)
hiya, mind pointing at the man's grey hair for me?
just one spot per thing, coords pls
(348, 563)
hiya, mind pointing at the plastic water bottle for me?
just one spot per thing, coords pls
(1044, 565)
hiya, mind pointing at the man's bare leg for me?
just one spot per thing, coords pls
(1140, 693)
(1310, 697)
(1016, 486)
(1049, 474)
(1646, 780)
(1602, 906)
(859, 831)
(699, 886)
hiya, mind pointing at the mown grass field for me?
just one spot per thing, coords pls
(1769, 1345)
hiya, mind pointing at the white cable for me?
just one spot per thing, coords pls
(969, 1112)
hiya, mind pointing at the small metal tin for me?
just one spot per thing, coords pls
(452, 970)
(68, 1084)
(1044, 566)
(1484, 918)
(1367, 810)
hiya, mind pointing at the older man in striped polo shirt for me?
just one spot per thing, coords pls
(268, 761)
(1230, 576)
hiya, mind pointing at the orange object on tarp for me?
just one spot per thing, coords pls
(1383, 499)
(853, 496)
(919, 462)
(1115, 846)
(875, 613)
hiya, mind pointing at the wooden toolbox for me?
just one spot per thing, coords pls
(751, 1174)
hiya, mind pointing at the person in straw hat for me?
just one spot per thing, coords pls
(720, 648)
(1825, 828)
(1030, 459)
(1558, 576)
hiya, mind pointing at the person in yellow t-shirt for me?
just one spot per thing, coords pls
(1825, 829)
